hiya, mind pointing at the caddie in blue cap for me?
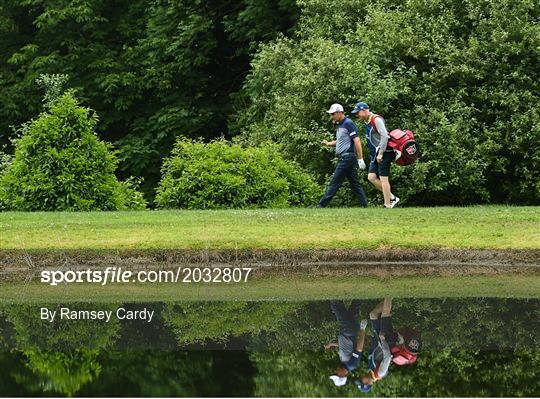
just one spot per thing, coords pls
(381, 155)
(380, 356)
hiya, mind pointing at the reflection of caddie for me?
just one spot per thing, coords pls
(349, 152)
(381, 155)
(387, 346)
(380, 356)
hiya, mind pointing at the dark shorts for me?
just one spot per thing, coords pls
(382, 168)
(384, 324)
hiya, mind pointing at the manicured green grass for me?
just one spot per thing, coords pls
(479, 227)
(281, 288)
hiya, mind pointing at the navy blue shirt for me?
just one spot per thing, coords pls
(372, 150)
(345, 134)
(353, 362)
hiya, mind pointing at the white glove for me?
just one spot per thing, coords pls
(361, 164)
(363, 324)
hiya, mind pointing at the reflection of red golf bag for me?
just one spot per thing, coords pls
(407, 353)
(401, 356)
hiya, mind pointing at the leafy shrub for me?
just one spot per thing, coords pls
(60, 164)
(131, 197)
(149, 69)
(218, 321)
(224, 175)
(5, 161)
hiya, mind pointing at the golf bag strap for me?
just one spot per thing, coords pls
(372, 121)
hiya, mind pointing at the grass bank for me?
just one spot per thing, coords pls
(478, 227)
(281, 288)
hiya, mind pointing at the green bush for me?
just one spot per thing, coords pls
(219, 321)
(131, 196)
(224, 175)
(462, 75)
(149, 68)
(5, 161)
(60, 164)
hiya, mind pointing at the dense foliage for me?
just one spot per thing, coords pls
(221, 175)
(60, 164)
(462, 74)
(151, 69)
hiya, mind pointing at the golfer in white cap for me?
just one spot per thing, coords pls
(350, 341)
(349, 152)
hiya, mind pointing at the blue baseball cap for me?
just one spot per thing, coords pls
(359, 106)
(363, 387)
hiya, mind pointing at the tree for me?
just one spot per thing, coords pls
(60, 164)
(153, 70)
(62, 356)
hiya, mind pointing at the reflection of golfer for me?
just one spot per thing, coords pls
(349, 152)
(350, 339)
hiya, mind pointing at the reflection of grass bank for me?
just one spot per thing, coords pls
(484, 227)
(285, 288)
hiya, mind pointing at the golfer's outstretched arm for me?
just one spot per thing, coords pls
(361, 336)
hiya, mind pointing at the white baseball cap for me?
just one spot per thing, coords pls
(338, 381)
(335, 108)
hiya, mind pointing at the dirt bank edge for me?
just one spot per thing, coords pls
(15, 259)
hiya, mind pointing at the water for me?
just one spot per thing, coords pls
(470, 347)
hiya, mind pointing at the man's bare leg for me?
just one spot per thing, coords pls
(383, 308)
(387, 307)
(373, 179)
(387, 193)
(379, 185)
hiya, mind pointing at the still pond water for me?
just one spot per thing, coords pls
(467, 347)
